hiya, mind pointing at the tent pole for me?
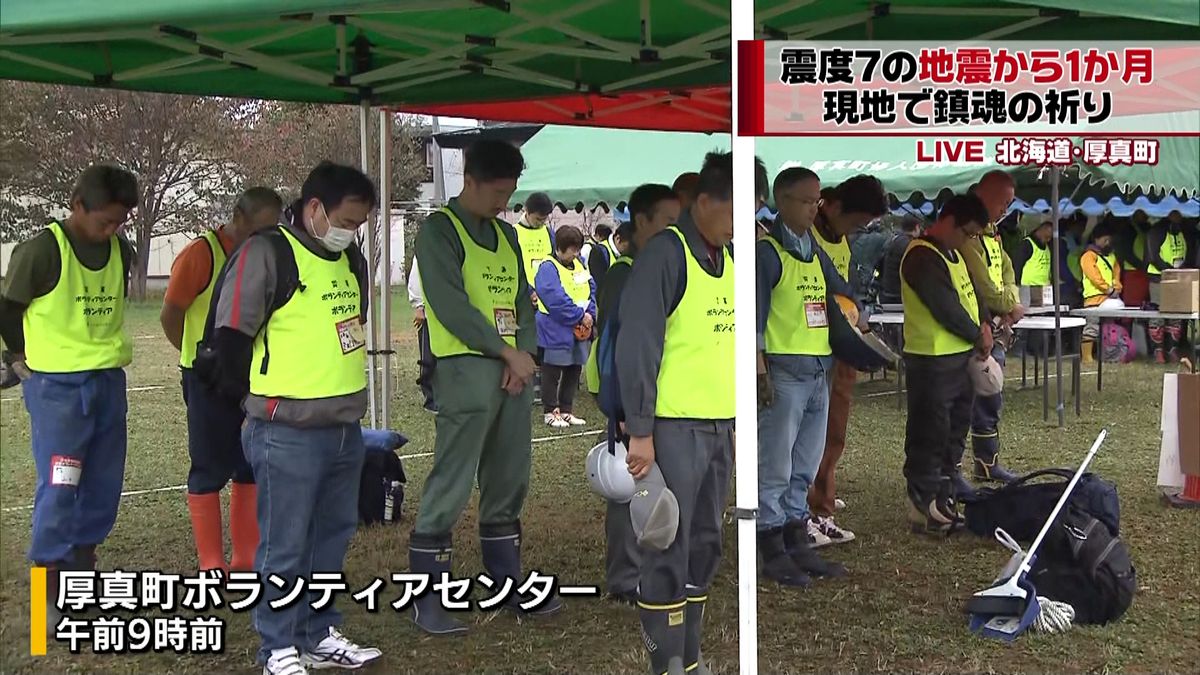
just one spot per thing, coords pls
(1056, 280)
(364, 118)
(385, 291)
(745, 468)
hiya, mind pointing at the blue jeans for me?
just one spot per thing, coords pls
(791, 439)
(77, 423)
(307, 512)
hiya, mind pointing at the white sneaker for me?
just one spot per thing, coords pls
(816, 538)
(336, 651)
(555, 420)
(573, 420)
(838, 504)
(830, 529)
(284, 662)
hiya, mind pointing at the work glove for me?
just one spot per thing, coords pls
(766, 390)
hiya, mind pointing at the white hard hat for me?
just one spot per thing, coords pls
(986, 376)
(608, 474)
(1112, 303)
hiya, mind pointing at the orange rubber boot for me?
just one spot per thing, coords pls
(206, 528)
(243, 526)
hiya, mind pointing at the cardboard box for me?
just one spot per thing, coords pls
(1181, 275)
(1037, 296)
(1179, 295)
(1189, 423)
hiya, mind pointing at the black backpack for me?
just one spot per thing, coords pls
(1022, 506)
(381, 490)
(1083, 564)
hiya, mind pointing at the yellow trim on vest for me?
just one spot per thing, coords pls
(839, 253)
(1173, 248)
(1036, 271)
(313, 346)
(197, 312)
(923, 335)
(535, 248)
(798, 321)
(80, 324)
(576, 283)
(490, 280)
(696, 376)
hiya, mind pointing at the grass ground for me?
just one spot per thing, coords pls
(899, 610)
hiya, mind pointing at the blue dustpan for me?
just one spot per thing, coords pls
(1007, 628)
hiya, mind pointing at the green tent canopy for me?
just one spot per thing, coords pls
(605, 165)
(409, 54)
(949, 20)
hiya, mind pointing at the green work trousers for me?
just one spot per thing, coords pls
(482, 432)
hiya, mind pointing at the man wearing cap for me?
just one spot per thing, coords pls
(794, 277)
(945, 326)
(675, 364)
(844, 210)
(652, 208)
(992, 273)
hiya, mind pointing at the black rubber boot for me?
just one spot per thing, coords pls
(777, 564)
(432, 555)
(664, 632)
(795, 541)
(987, 459)
(84, 558)
(693, 659)
(500, 546)
(53, 615)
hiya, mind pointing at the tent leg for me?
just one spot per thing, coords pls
(1055, 175)
(385, 290)
(364, 119)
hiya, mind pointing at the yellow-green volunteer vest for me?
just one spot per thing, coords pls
(923, 335)
(535, 248)
(80, 324)
(591, 370)
(197, 312)
(839, 253)
(313, 346)
(1105, 264)
(1036, 271)
(1173, 248)
(490, 280)
(576, 283)
(994, 257)
(798, 322)
(1139, 249)
(696, 378)
(1073, 262)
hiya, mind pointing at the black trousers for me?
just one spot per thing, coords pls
(559, 384)
(426, 363)
(939, 415)
(214, 439)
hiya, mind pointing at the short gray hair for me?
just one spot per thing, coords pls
(256, 199)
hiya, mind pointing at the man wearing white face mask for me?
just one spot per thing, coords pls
(287, 335)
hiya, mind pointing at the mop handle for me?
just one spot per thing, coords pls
(1026, 564)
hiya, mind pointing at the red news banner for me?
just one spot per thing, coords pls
(1060, 92)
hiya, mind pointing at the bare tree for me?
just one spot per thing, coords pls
(180, 148)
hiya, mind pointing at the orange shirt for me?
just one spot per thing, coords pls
(192, 270)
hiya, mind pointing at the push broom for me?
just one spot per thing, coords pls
(1011, 605)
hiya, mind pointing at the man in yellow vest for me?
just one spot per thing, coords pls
(794, 278)
(652, 207)
(214, 423)
(675, 364)
(992, 272)
(1032, 264)
(602, 254)
(1101, 279)
(536, 241)
(1168, 246)
(63, 322)
(945, 325)
(1129, 243)
(844, 209)
(482, 331)
(286, 336)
